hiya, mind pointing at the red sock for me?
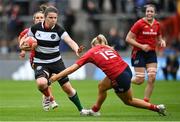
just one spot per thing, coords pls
(153, 107)
(95, 108)
(46, 92)
(51, 98)
(146, 99)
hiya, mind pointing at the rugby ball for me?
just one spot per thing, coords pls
(32, 42)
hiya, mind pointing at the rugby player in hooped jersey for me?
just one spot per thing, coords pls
(47, 59)
(144, 36)
(118, 76)
(37, 17)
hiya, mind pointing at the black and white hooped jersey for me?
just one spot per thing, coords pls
(48, 41)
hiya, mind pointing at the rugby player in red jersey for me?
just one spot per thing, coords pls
(144, 36)
(118, 76)
(37, 17)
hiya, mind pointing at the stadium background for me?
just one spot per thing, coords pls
(83, 20)
(20, 101)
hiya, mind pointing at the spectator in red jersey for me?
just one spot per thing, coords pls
(118, 76)
(37, 17)
(144, 36)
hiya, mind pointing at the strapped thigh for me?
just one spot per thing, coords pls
(140, 74)
(151, 71)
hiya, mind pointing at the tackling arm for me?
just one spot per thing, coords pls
(64, 73)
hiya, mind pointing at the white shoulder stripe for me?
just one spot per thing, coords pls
(64, 34)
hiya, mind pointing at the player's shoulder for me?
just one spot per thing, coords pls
(59, 27)
(24, 31)
(156, 22)
(37, 26)
(140, 21)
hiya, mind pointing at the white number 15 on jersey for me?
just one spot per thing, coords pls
(109, 54)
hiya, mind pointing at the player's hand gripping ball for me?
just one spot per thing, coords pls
(32, 42)
(29, 43)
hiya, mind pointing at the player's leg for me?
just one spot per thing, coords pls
(42, 84)
(151, 68)
(151, 71)
(138, 62)
(139, 75)
(42, 75)
(73, 96)
(124, 92)
(67, 87)
(127, 98)
(52, 100)
(103, 86)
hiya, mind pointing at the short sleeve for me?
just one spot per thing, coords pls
(86, 58)
(24, 32)
(61, 32)
(30, 33)
(135, 28)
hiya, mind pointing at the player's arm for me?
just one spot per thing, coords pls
(65, 72)
(131, 39)
(23, 52)
(23, 45)
(73, 45)
(162, 42)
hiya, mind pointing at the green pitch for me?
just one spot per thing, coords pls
(21, 101)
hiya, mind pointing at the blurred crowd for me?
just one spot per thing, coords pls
(96, 16)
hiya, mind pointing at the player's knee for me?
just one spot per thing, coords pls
(103, 87)
(151, 74)
(100, 87)
(41, 82)
(128, 102)
(152, 77)
(138, 80)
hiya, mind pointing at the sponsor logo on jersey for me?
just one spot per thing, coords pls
(38, 35)
(53, 36)
(120, 89)
(39, 67)
(136, 61)
(149, 33)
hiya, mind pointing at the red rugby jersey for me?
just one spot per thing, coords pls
(24, 32)
(146, 33)
(107, 59)
(32, 53)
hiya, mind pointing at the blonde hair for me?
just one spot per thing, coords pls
(100, 39)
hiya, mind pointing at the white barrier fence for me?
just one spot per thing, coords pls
(21, 70)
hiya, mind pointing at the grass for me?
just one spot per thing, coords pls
(21, 101)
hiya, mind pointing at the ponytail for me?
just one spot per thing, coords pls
(100, 39)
